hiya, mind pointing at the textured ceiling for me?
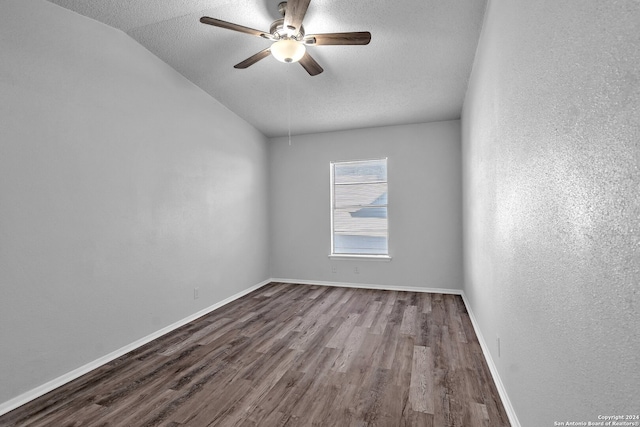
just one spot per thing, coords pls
(414, 70)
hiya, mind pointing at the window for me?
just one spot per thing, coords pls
(359, 208)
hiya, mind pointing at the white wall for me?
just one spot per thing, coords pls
(551, 155)
(425, 222)
(122, 188)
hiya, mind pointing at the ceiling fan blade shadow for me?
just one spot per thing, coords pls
(353, 38)
(253, 59)
(296, 9)
(310, 64)
(235, 27)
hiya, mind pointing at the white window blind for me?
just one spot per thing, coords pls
(359, 206)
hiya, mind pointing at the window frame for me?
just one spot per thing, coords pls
(332, 255)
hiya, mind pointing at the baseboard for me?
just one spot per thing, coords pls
(370, 286)
(513, 419)
(20, 400)
(511, 413)
(70, 376)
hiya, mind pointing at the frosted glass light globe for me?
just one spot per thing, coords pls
(288, 50)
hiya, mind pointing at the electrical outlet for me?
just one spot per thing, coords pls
(356, 270)
(334, 270)
(196, 293)
(498, 342)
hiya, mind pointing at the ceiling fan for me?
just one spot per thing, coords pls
(289, 38)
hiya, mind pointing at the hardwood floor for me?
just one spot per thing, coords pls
(289, 355)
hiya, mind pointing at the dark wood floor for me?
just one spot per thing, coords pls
(289, 355)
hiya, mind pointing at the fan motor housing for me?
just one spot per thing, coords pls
(279, 31)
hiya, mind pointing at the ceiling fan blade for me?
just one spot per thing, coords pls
(296, 9)
(354, 38)
(253, 59)
(310, 64)
(235, 27)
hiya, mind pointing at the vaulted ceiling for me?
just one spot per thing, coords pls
(414, 70)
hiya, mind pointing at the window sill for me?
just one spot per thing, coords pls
(361, 257)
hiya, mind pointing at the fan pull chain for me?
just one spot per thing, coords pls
(289, 104)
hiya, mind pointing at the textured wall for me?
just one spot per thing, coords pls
(551, 163)
(425, 205)
(122, 187)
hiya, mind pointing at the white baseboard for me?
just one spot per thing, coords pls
(513, 419)
(70, 376)
(370, 286)
(511, 413)
(20, 400)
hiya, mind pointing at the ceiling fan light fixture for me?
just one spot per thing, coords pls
(288, 50)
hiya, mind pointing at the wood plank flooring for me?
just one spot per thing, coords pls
(293, 355)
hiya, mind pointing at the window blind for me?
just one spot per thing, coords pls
(359, 200)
